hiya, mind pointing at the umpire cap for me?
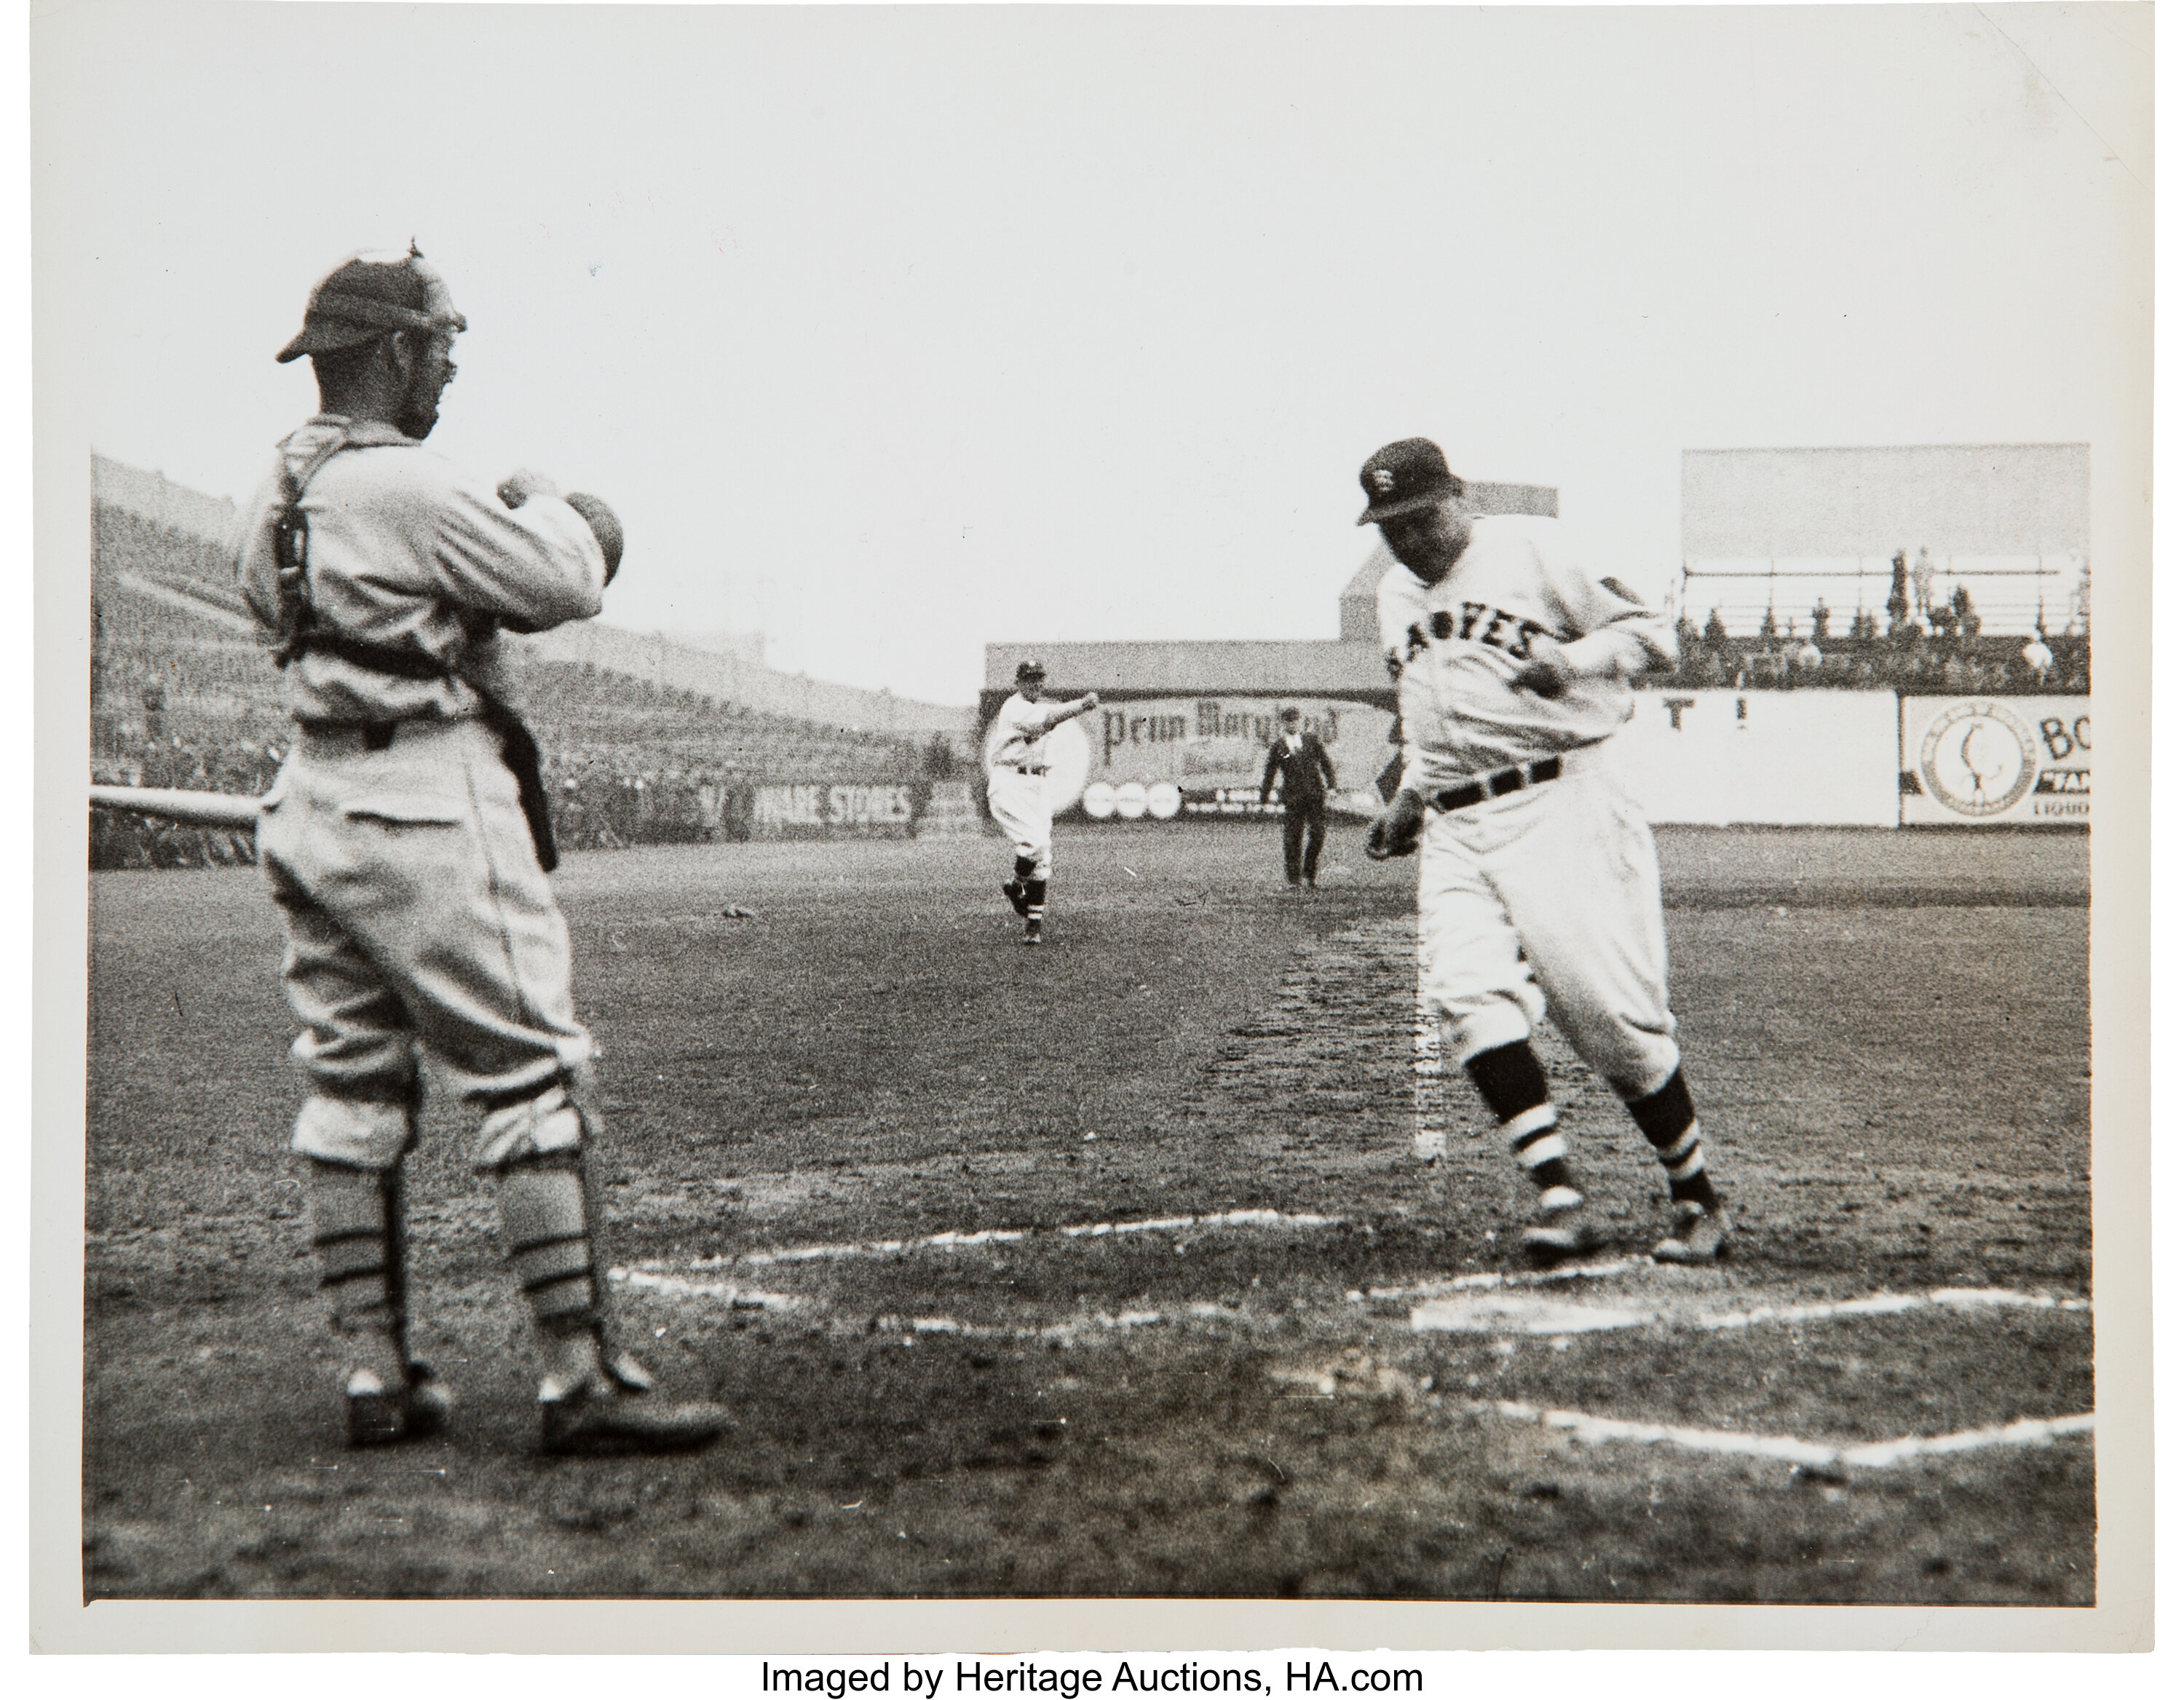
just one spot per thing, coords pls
(369, 294)
(1403, 478)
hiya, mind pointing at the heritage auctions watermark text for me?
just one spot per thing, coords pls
(917, 1681)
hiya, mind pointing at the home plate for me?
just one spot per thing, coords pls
(1518, 1314)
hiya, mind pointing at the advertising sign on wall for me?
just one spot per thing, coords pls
(2014, 760)
(849, 811)
(1188, 754)
(1762, 758)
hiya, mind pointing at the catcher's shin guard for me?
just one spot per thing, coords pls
(357, 1240)
(546, 1223)
(593, 1397)
(535, 1146)
(358, 1237)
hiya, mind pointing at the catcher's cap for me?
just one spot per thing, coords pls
(369, 294)
(1029, 670)
(1403, 478)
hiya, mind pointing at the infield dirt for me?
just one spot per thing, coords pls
(1887, 1037)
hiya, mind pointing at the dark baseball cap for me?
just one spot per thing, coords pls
(1029, 670)
(1403, 478)
(369, 294)
(1292, 714)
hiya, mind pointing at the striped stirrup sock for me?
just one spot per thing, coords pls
(1671, 1126)
(1510, 1079)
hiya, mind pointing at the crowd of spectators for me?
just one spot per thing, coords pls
(184, 697)
(1944, 651)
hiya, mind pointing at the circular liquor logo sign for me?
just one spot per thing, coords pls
(1978, 758)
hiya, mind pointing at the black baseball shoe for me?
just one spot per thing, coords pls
(1700, 1236)
(1562, 1227)
(619, 1411)
(1034, 931)
(380, 1415)
(1013, 890)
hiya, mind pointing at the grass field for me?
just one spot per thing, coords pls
(1109, 1270)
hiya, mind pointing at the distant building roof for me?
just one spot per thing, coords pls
(1360, 619)
(1298, 668)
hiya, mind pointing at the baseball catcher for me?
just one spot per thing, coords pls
(406, 844)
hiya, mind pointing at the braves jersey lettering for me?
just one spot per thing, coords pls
(1456, 648)
(1478, 624)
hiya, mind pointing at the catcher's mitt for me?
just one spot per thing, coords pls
(604, 526)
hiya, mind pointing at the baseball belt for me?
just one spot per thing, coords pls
(1033, 773)
(519, 749)
(1499, 783)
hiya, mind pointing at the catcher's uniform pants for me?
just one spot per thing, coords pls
(1017, 800)
(417, 917)
(1548, 901)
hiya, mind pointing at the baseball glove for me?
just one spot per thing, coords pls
(1396, 830)
(604, 526)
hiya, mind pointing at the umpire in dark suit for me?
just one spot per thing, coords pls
(1301, 762)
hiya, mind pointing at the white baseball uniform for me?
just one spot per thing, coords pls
(1015, 780)
(1546, 899)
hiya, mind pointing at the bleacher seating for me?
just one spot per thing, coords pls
(184, 694)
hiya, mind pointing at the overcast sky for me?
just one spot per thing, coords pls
(899, 332)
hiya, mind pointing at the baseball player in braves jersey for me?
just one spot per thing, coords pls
(400, 844)
(1539, 892)
(1016, 788)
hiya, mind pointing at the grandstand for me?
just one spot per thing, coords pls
(183, 694)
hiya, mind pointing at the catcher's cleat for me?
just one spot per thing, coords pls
(1033, 933)
(619, 1411)
(1700, 1236)
(1562, 1228)
(1018, 899)
(380, 1415)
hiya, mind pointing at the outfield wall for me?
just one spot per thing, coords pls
(1722, 758)
(1690, 757)
(1762, 758)
(1998, 761)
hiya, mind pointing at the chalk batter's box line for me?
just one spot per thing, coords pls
(1960, 1301)
(1582, 1426)
(2029, 1431)
(952, 1240)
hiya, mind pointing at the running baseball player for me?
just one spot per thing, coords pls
(1016, 788)
(405, 844)
(1539, 891)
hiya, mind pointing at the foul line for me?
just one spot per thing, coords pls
(1889, 1304)
(1002, 1236)
(679, 1286)
(1540, 1278)
(1429, 1317)
(2031, 1431)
